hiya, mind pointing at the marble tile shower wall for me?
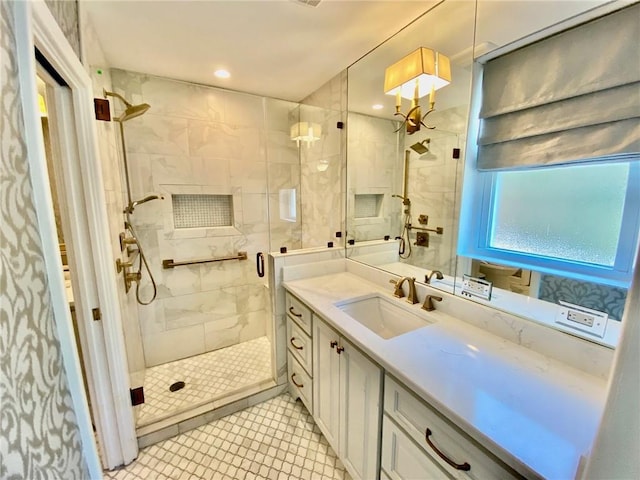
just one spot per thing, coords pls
(321, 168)
(323, 165)
(376, 156)
(198, 139)
(375, 167)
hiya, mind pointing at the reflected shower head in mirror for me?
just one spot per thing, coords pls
(132, 111)
(420, 147)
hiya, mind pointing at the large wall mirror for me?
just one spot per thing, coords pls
(404, 187)
(403, 183)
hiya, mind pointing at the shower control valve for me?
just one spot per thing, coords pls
(124, 241)
(120, 265)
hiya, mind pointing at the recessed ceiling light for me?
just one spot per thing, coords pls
(222, 73)
(377, 106)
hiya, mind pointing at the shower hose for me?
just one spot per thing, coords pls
(142, 261)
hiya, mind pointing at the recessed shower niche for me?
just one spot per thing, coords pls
(202, 211)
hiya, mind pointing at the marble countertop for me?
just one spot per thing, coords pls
(535, 413)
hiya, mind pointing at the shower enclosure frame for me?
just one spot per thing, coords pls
(102, 339)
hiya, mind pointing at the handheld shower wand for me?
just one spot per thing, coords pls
(132, 205)
(133, 111)
(404, 237)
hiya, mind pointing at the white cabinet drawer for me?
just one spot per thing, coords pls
(299, 344)
(300, 384)
(299, 312)
(402, 459)
(433, 433)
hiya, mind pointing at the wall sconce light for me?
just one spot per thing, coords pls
(422, 71)
(305, 132)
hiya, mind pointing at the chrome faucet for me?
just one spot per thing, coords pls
(412, 298)
(428, 302)
(437, 273)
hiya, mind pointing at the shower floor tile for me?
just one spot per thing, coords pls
(275, 440)
(207, 377)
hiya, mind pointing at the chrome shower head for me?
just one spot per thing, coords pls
(420, 147)
(132, 111)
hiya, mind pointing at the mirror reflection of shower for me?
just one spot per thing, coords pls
(132, 111)
(404, 248)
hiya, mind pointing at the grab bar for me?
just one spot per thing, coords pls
(438, 230)
(169, 263)
(260, 264)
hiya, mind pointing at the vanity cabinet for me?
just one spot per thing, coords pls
(299, 351)
(418, 442)
(347, 399)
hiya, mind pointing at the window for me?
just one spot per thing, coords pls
(579, 221)
(555, 182)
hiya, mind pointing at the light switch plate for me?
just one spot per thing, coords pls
(476, 287)
(582, 318)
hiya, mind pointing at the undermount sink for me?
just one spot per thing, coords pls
(385, 317)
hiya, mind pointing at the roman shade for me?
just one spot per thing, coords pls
(572, 97)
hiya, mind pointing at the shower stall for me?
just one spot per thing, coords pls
(225, 178)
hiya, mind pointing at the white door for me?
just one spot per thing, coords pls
(326, 381)
(95, 282)
(360, 402)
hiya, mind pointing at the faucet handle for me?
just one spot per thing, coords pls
(428, 302)
(398, 292)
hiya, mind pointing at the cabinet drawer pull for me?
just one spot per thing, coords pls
(458, 466)
(299, 385)
(299, 315)
(294, 345)
(333, 344)
(339, 350)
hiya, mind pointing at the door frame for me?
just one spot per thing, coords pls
(103, 342)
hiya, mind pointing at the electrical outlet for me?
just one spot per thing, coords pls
(581, 318)
(476, 287)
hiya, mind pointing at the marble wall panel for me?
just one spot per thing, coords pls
(157, 134)
(374, 167)
(233, 330)
(217, 139)
(170, 345)
(250, 177)
(323, 208)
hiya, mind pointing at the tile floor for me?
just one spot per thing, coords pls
(274, 440)
(207, 377)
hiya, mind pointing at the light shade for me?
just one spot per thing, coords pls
(423, 68)
(306, 132)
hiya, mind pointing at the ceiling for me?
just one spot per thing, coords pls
(276, 48)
